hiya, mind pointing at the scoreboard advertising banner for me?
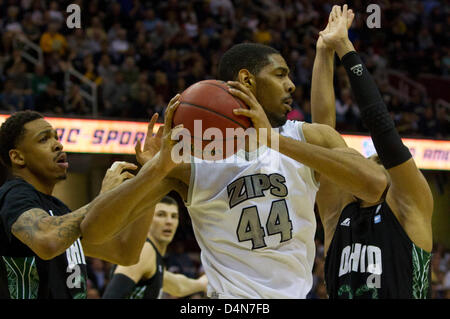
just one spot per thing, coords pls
(119, 137)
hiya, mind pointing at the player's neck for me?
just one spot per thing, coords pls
(160, 246)
(39, 184)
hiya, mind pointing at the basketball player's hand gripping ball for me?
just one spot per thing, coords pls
(255, 112)
(168, 139)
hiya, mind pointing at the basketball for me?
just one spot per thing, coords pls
(206, 108)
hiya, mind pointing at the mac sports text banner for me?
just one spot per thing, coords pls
(119, 137)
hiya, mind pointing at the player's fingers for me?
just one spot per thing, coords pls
(125, 165)
(174, 99)
(115, 165)
(160, 131)
(241, 87)
(151, 124)
(344, 10)
(351, 16)
(338, 11)
(169, 116)
(244, 112)
(331, 17)
(120, 166)
(249, 101)
(334, 11)
(126, 175)
(137, 147)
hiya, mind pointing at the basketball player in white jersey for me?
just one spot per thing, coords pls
(253, 214)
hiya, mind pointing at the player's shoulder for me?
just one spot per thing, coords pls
(322, 135)
(17, 188)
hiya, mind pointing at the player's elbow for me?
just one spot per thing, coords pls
(129, 259)
(48, 249)
(127, 255)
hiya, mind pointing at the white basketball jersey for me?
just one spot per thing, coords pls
(254, 222)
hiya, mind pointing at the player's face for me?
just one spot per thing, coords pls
(165, 222)
(274, 90)
(42, 153)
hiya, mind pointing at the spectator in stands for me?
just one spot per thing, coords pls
(76, 104)
(129, 70)
(21, 82)
(50, 100)
(10, 100)
(141, 106)
(119, 45)
(115, 95)
(30, 29)
(262, 34)
(52, 40)
(105, 69)
(54, 13)
(150, 20)
(39, 80)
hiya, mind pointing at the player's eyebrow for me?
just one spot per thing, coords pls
(47, 131)
(283, 69)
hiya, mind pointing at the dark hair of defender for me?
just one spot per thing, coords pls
(12, 131)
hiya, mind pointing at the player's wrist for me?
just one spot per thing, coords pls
(324, 50)
(343, 47)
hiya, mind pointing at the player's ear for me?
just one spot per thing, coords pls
(16, 157)
(246, 78)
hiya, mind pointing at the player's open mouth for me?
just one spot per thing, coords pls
(167, 232)
(62, 161)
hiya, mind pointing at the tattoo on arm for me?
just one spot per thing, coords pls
(36, 224)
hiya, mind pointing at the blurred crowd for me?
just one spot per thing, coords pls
(141, 53)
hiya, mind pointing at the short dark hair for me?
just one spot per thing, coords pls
(12, 131)
(169, 200)
(250, 56)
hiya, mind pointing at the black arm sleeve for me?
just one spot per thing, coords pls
(374, 113)
(120, 287)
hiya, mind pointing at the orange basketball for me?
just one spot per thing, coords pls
(210, 102)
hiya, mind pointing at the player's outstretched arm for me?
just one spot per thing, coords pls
(323, 101)
(178, 285)
(111, 209)
(125, 278)
(409, 194)
(125, 247)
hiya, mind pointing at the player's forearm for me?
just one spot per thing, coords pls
(322, 91)
(110, 211)
(156, 191)
(184, 286)
(354, 173)
(374, 112)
